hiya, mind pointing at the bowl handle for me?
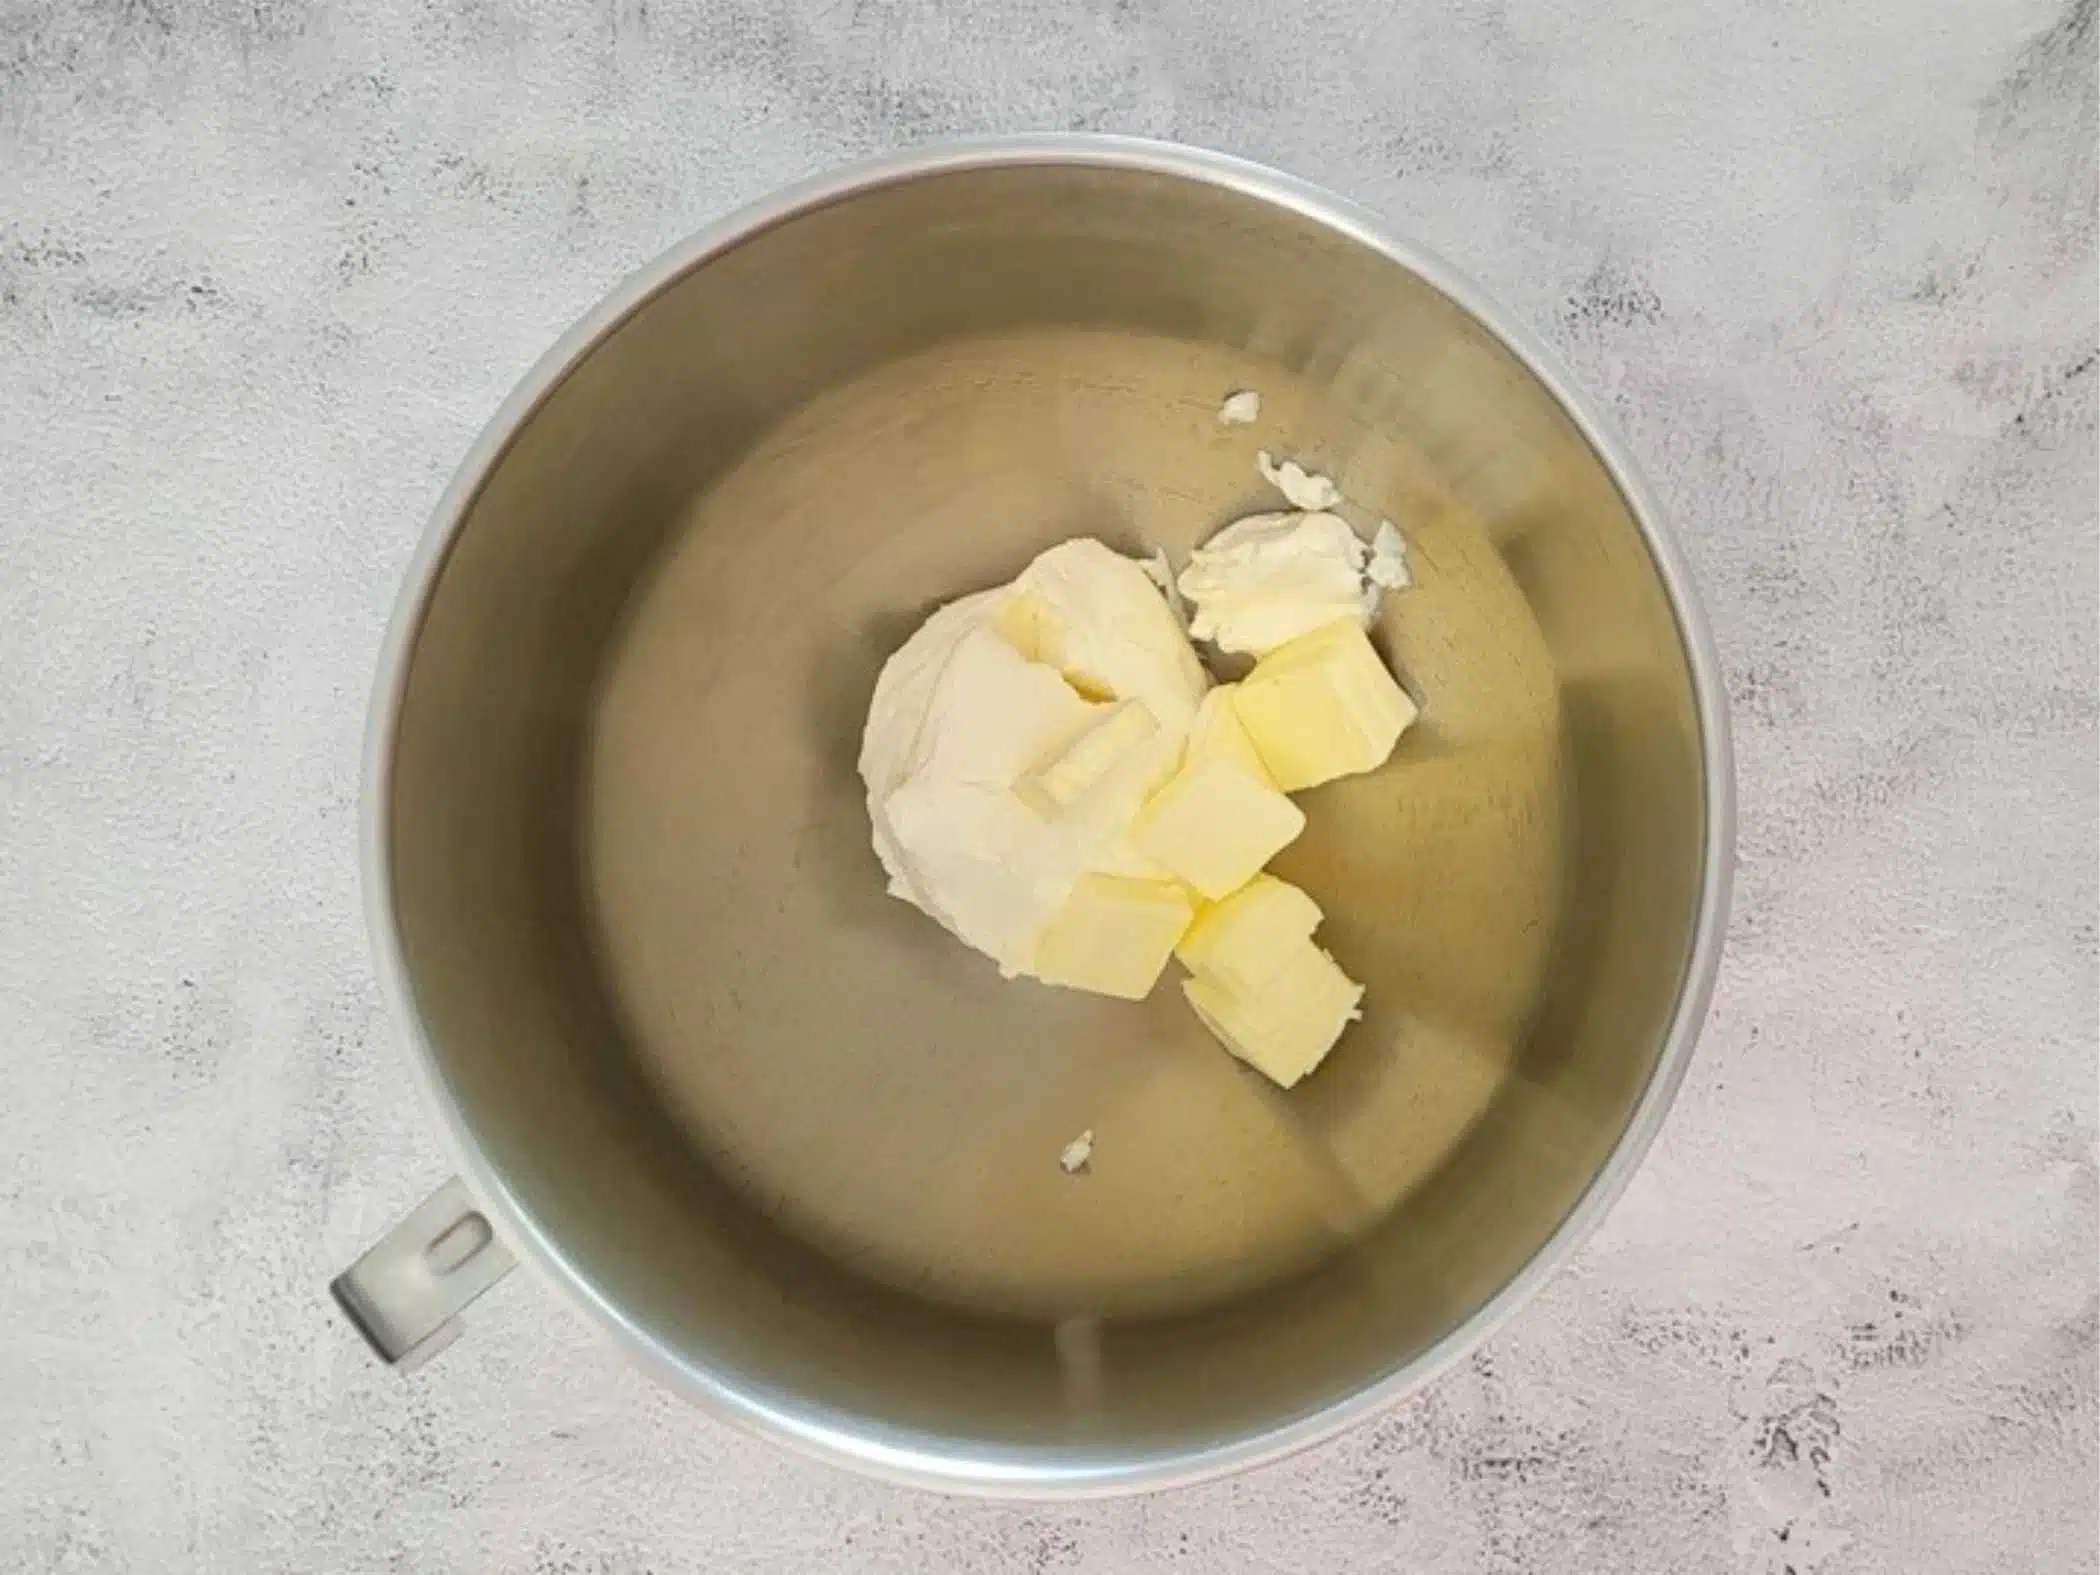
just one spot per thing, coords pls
(405, 1294)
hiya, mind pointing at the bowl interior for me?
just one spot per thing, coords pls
(784, 1129)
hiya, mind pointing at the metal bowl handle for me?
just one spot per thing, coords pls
(405, 1295)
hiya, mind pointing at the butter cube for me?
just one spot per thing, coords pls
(1024, 624)
(1216, 733)
(1286, 1027)
(1119, 741)
(1243, 941)
(1322, 706)
(1113, 935)
(1215, 825)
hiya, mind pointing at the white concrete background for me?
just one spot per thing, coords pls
(266, 266)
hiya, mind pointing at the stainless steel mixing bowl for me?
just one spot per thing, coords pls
(784, 1138)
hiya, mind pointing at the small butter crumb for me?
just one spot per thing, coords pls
(1078, 1153)
(1302, 488)
(1241, 410)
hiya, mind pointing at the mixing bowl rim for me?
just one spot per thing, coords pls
(900, 1455)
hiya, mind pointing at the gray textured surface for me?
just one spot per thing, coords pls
(265, 267)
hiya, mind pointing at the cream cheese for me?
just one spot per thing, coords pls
(1301, 488)
(989, 688)
(1269, 578)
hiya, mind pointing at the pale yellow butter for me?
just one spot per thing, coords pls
(1217, 734)
(1215, 825)
(1322, 706)
(1284, 1028)
(1113, 935)
(1119, 740)
(1243, 941)
(1023, 623)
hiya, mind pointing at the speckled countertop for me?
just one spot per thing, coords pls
(266, 266)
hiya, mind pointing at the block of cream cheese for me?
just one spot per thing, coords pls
(1284, 1028)
(1096, 617)
(1322, 706)
(1113, 935)
(1215, 825)
(985, 693)
(1241, 942)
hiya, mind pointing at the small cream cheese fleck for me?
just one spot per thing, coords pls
(1078, 1153)
(1241, 410)
(1303, 489)
(1159, 569)
(1388, 568)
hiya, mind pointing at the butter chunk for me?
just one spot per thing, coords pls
(1217, 734)
(1119, 741)
(1113, 935)
(1243, 941)
(1284, 1028)
(1023, 622)
(1322, 706)
(1215, 825)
